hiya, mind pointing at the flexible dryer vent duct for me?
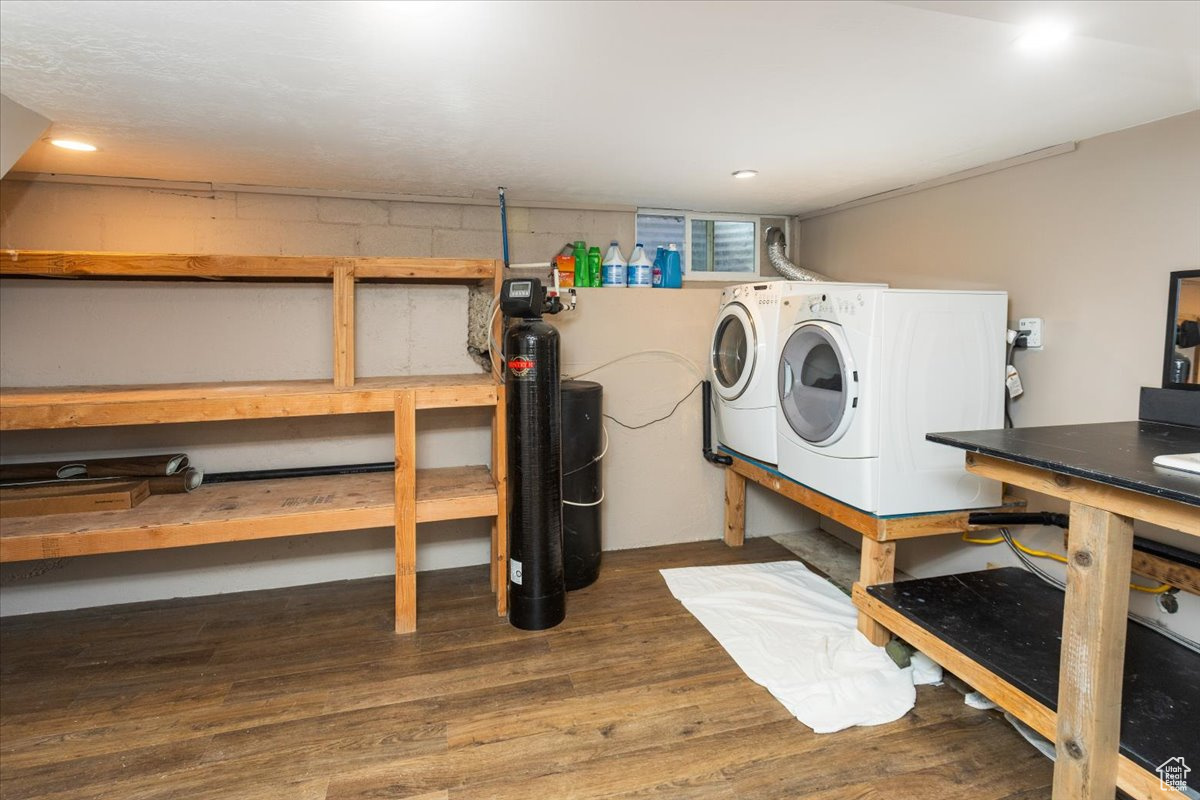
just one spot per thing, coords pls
(775, 245)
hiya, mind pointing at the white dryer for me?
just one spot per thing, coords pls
(864, 373)
(743, 361)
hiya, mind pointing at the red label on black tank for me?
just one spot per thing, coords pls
(520, 367)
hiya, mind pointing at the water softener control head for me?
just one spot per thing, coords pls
(522, 297)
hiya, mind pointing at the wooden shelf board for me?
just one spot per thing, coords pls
(84, 407)
(86, 264)
(233, 512)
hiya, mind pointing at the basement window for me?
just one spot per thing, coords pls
(713, 247)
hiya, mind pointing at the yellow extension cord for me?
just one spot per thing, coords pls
(1160, 589)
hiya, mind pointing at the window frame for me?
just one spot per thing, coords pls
(686, 256)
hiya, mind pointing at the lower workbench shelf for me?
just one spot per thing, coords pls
(234, 512)
(1000, 630)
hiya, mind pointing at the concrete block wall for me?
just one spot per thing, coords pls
(61, 333)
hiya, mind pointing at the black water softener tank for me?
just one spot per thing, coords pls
(583, 491)
(536, 591)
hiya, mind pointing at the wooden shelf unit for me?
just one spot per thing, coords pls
(236, 512)
(266, 509)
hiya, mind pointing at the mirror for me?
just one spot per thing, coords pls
(1181, 366)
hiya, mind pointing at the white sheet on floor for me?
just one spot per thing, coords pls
(796, 634)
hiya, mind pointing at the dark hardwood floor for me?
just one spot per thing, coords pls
(306, 694)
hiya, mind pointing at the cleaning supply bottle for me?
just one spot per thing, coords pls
(582, 278)
(672, 268)
(593, 257)
(614, 266)
(640, 272)
(656, 271)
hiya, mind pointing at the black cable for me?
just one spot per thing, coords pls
(660, 419)
(1008, 420)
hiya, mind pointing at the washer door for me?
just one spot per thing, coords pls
(818, 387)
(734, 351)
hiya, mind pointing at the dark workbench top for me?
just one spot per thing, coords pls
(1113, 453)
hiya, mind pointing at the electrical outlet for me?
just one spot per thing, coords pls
(1034, 325)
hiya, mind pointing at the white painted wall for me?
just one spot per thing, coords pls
(1085, 240)
(19, 128)
(56, 333)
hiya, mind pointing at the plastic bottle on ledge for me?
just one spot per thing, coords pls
(593, 257)
(614, 267)
(672, 268)
(640, 272)
(656, 271)
(582, 278)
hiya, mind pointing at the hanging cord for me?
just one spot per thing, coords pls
(1008, 362)
(603, 452)
(677, 356)
(584, 505)
(1029, 564)
(1016, 544)
(668, 415)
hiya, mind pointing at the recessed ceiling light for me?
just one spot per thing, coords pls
(745, 173)
(1043, 37)
(72, 144)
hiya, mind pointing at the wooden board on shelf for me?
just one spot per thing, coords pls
(230, 512)
(87, 264)
(72, 497)
(83, 407)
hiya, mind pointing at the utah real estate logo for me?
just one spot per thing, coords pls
(1172, 774)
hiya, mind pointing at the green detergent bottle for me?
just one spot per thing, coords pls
(595, 275)
(582, 276)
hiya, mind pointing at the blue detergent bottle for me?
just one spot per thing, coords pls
(672, 269)
(657, 271)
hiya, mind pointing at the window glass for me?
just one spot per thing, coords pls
(722, 246)
(659, 230)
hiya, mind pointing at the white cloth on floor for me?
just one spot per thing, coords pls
(796, 634)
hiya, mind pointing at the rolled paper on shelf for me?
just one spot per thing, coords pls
(44, 471)
(179, 483)
(141, 466)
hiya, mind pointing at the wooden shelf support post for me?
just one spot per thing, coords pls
(878, 565)
(343, 326)
(500, 526)
(406, 512)
(1099, 552)
(735, 508)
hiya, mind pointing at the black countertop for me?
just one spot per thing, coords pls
(1113, 453)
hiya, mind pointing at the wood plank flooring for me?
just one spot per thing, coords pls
(306, 694)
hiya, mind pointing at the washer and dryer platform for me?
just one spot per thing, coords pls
(880, 534)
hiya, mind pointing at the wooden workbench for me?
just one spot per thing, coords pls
(1105, 472)
(880, 534)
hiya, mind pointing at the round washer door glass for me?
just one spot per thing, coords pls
(733, 351)
(815, 385)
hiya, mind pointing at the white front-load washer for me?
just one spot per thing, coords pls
(743, 360)
(864, 373)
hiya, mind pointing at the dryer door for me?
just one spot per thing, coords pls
(818, 387)
(734, 351)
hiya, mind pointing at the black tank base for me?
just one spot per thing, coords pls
(535, 613)
(581, 572)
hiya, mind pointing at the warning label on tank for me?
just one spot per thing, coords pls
(514, 571)
(521, 367)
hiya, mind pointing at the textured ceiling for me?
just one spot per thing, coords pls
(641, 103)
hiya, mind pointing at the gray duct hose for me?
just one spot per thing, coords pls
(775, 245)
